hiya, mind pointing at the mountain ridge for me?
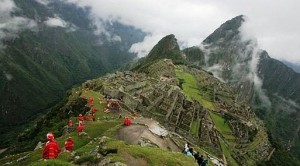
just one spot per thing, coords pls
(269, 85)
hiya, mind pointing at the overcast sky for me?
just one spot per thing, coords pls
(275, 23)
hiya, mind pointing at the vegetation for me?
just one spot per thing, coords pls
(220, 123)
(191, 88)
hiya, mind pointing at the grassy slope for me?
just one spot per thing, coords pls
(84, 145)
(191, 89)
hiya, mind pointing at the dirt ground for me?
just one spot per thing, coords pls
(145, 128)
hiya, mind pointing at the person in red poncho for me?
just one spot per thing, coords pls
(69, 144)
(127, 121)
(91, 100)
(52, 148)
(80, 128)
(94, 110)
(80, 119)
(87, 117)
(70, 123)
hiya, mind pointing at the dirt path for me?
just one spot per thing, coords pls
(147, 129)
(153, 126)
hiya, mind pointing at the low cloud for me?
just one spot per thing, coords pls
(11, 26)
(217, 70)
(43, 2)
(143, 48)
(56, 22)
(252, 52)
(59, 22)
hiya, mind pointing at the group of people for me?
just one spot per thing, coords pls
(189, 151)
(52, 149)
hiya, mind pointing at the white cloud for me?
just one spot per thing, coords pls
(10, 26)
(59, 22)
(56, 22)
(142, 48)
(274, 23)
(43, 2)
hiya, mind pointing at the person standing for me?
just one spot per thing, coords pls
(69, 144)
(52, 148)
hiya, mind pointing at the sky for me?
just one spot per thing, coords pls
(273, 23)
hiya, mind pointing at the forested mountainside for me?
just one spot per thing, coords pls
(63, 46)
(269, 85)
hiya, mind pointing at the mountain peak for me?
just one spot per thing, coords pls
(227, 30)
(165, 45)
(166, 48)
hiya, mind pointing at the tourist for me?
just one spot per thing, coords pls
(200, 160)
(80, 119)
(127, 121)
(52, 148)
(69, 144)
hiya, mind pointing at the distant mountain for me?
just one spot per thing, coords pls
(167, 47)
(294, 66)
(64, 48)
(271, 86)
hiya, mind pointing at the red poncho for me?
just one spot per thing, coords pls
(70, 123)
(80, 128)
(91, 100)
(69, 144)
(127, 121)
(80, 118)
(87, 117)
(51, 150)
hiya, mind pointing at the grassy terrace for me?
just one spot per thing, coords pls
(191, 88)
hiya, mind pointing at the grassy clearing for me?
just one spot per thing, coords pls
(219, 122)
(153, 156)
(51, 163)
(195, 127)
(191, 89)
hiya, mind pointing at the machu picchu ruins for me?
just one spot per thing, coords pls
(156, 93)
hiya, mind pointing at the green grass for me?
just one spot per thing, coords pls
(153, 156)
(226, 152)
(219, 122)
(51, 163)
(195, 127)
(191, 88)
